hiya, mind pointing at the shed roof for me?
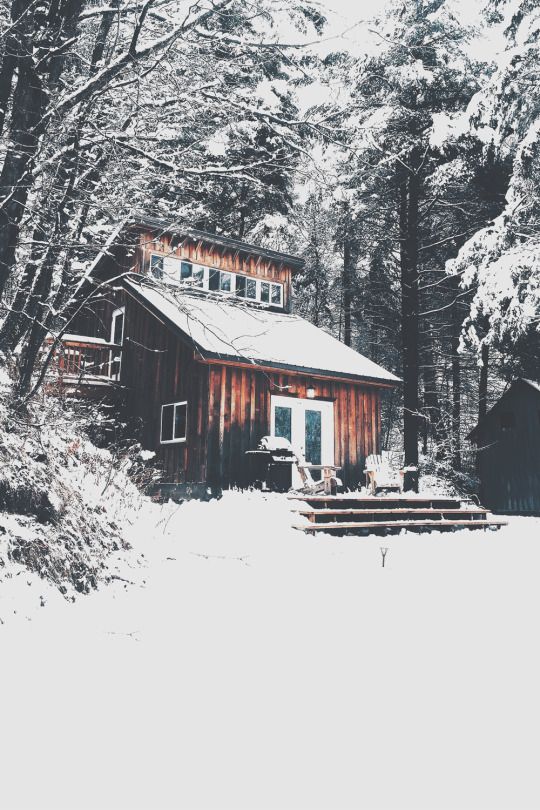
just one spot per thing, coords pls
(223, 329)
(519, 381)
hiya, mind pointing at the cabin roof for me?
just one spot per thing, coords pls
(520, 381)
(231, 331)
(171, 227)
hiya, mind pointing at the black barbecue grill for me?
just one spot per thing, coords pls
(270, 465)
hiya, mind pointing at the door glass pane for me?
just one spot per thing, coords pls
(283, 422)
(313, 437)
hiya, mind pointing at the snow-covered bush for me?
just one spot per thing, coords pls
(65, 504)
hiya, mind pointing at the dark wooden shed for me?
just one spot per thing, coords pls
(508, 451)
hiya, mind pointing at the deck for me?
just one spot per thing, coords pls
(388, 514)
(85, 366)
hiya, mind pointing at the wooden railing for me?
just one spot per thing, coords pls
(85, 358)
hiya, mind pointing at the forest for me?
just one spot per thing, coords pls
(405, 173)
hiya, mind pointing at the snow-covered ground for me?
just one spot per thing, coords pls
(249, 666)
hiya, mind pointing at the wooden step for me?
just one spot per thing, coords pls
(402, 524)
(376, 503)
(318, 514)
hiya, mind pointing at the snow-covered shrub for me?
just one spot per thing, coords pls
(65, 504)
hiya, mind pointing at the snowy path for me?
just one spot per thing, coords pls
(258, 668)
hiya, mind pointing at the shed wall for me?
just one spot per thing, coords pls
(508, 462)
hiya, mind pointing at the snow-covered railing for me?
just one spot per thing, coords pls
(86, 357)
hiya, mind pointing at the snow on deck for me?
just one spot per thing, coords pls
(232, 329)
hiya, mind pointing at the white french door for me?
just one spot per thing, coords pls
(308, 424)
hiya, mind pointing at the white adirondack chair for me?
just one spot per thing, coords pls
(382, 474)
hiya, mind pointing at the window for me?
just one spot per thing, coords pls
(213, 279)
(198, 276)
(180, 271)
(156, 266)
(251, 289)
(241, 286)
(277, 291)
(173, 422)
(117, 337)
(508, 420)
(265, 292)
(117, 326)
(225, 282)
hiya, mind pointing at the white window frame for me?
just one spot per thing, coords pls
(173, 440)
(206, 277)
(112, 359)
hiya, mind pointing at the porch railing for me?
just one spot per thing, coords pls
(85, 359)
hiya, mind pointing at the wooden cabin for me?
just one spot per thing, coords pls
(508, 451)
(197, 332)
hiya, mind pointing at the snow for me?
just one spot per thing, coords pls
(234, 330)
(250, 666)
(274, 443)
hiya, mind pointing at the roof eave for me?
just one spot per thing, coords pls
(295, 262)
(326, 374)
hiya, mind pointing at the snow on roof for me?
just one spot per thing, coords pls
(230, 329)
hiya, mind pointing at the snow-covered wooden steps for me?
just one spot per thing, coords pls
(389, 514)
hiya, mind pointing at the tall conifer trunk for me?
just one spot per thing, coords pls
(483, 382)
(347, 290)
(409, 193)
(456, 377)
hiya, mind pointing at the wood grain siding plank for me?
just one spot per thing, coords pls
(353, 446)
(360, 458)
(374, 423)
(221, 417)
(213, 456)
(234, 447)
(252, 409)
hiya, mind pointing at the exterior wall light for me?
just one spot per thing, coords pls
(310, 392)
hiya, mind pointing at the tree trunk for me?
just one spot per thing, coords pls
(28, 100)
(409, 192)
(483, 382)
(434, 422)
(456, 378)
(39, 68)
(347, 290)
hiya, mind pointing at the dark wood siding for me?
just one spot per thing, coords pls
(228, 405)
(158, 368)
(508, 461)
(239, 416)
